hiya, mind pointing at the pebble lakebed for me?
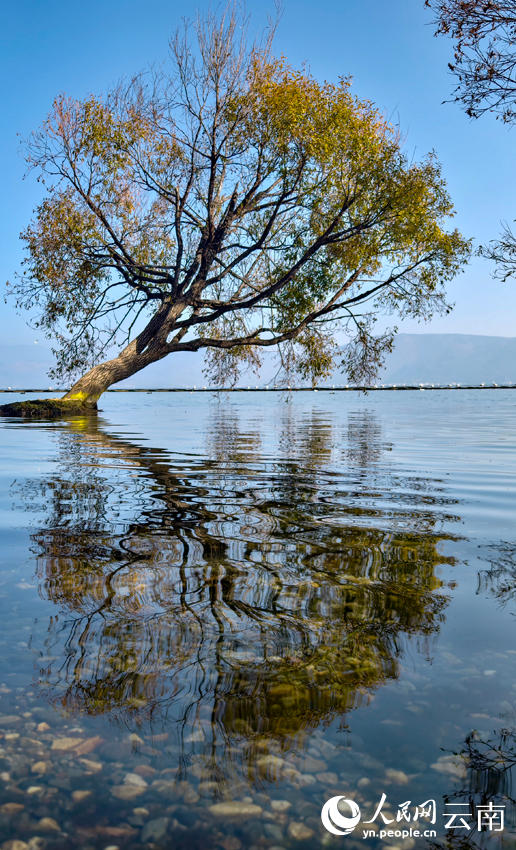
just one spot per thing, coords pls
(49, 772)
(63, 789)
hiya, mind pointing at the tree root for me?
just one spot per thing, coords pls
(47, 408)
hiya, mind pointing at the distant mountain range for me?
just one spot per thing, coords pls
(417, 358)
(451, 358)
(25, 366)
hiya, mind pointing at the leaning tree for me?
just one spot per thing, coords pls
(230, 203)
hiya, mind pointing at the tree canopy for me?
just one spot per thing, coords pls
(228, 202)
(484, 36)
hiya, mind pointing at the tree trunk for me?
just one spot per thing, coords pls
(148, 347)
(90, 387)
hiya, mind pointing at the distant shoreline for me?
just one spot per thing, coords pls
(403, 388)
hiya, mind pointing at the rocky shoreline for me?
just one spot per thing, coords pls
(47, 408)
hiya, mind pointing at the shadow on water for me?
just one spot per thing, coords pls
(227, 605)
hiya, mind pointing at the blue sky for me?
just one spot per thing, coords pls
(388, 48)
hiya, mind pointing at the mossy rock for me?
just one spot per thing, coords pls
(47, 408)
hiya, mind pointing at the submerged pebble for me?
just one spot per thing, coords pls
(135, 779)
(78, 796)
(155, 829)
(299, 831)
(280, 805)
(65, 743)
(399, 777)
(127, 792)
(235, 809)
(11, 808)
(48, 825)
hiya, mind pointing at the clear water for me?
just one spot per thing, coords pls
(263, 603)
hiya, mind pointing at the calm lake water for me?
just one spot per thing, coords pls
(216, 615)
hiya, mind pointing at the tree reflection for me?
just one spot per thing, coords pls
(499, 581)
(235, 602)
